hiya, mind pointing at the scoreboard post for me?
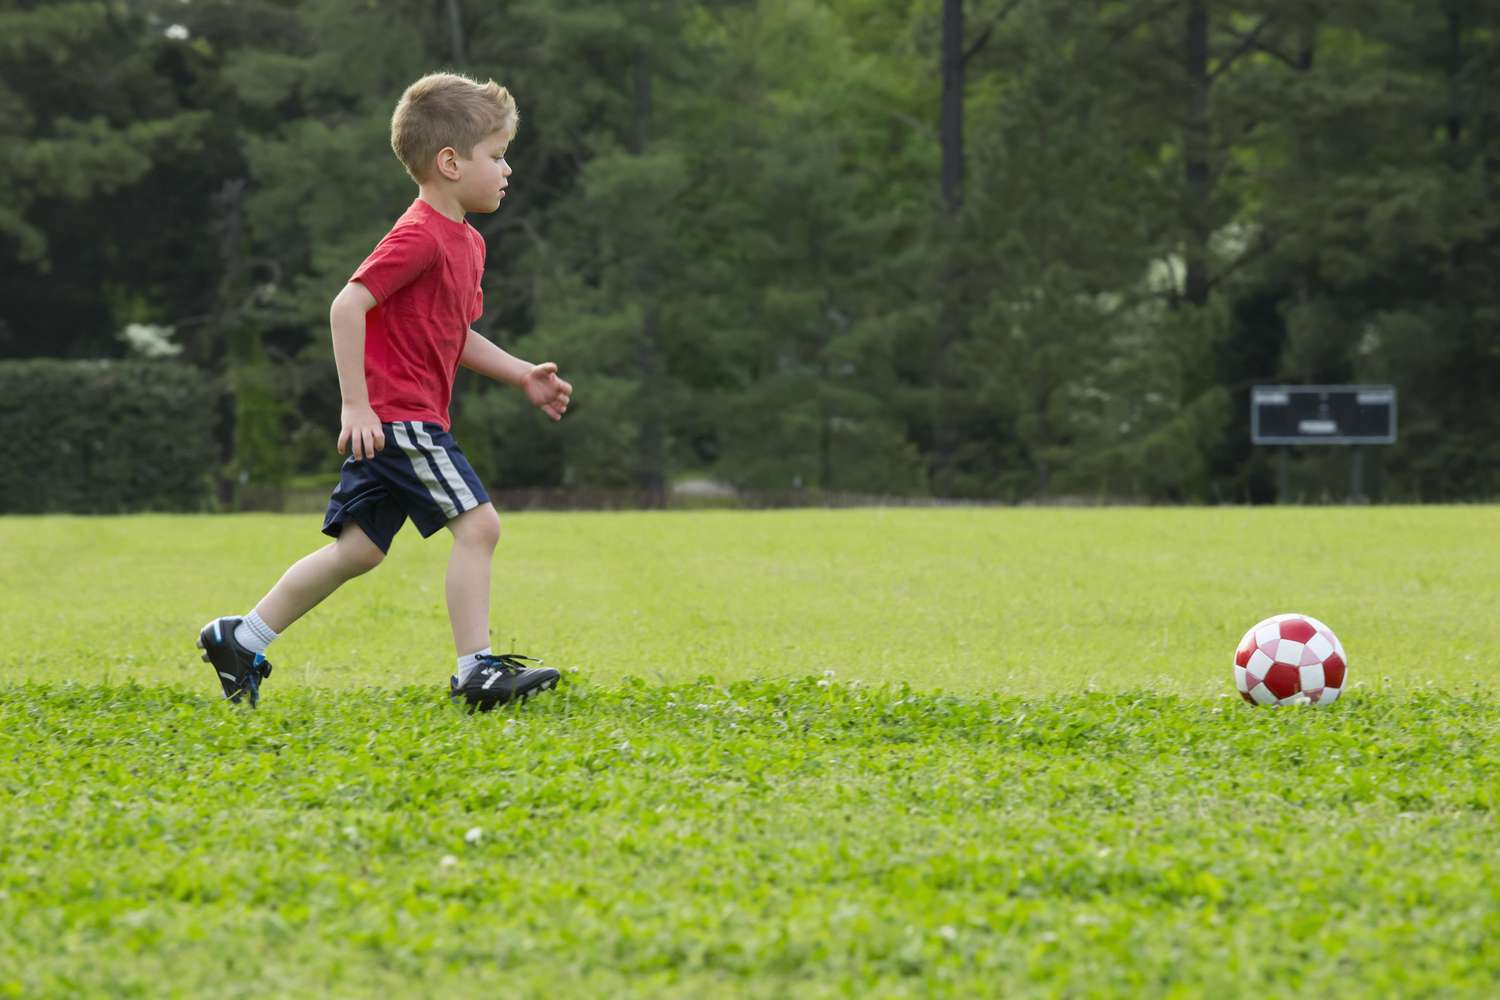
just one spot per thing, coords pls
(1299, 415)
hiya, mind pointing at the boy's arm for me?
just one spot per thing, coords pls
(540, 382)
(359, 426)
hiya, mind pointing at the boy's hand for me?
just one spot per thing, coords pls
(361, 431)
(546, 390)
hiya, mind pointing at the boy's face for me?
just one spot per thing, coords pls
(484, 174)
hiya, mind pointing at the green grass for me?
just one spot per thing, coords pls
(1087, 811)
(1020, 601)
(765, 839)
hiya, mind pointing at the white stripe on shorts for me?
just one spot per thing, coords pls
(424, 470)
(466, 499)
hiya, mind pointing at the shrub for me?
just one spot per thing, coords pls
(107, 436)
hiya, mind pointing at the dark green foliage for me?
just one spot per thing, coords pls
(94, 437)
(727, 225)
(116, 143)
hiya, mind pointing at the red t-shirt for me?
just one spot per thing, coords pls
(425, 278)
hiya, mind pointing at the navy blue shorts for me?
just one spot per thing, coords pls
(420, 474)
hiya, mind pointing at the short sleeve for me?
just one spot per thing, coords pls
(477, 241)
(397, 261)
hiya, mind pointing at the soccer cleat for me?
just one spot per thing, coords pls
(499, 679)
(240, 671)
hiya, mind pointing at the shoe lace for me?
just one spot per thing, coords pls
(260, 669)
(508, 664)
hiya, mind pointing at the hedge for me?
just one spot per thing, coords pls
(107, 436)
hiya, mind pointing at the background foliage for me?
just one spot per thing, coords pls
(104, 437)
(1003, 249)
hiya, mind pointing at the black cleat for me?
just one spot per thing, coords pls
(240, 671)
(499, 679)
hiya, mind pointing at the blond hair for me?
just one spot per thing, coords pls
(445, 109)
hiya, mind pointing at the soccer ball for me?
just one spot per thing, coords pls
(1290, 658)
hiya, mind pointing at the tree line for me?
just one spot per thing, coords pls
(1001, 249)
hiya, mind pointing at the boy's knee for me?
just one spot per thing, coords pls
(478, 527)
(364, 560)
(357, 553)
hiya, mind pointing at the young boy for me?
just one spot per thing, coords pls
(401, 327)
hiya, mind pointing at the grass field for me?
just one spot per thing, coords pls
(873, 753)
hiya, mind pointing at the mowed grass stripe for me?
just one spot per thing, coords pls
(771, 838)
(1024, 601)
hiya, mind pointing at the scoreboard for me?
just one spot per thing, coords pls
(1323, 414)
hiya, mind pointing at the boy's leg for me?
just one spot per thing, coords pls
(484, 680)
(318, 574)
(475, 534)
(230, 644)
(426, 472)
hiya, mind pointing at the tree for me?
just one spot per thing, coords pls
(109, 114)
(821, 209)
(1381, 204)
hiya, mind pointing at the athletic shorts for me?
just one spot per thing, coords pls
(420, 474)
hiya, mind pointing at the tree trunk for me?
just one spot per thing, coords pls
(652, 442)
(950, 319)
(951, 118)
(1195, 143)
(1307, 40)
(205, 348)
(653, 434)
(455, 32)
(825, 431)
(1455, 60)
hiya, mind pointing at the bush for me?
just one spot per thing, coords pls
(107, 436)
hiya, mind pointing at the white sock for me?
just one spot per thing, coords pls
(467, 664)
(254, 634)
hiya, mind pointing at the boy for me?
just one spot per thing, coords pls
(401, 327)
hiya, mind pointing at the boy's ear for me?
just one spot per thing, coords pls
(447, 163)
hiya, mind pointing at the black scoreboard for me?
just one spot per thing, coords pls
(1323, 414)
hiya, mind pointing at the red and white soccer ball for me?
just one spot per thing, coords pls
(1288, 659)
